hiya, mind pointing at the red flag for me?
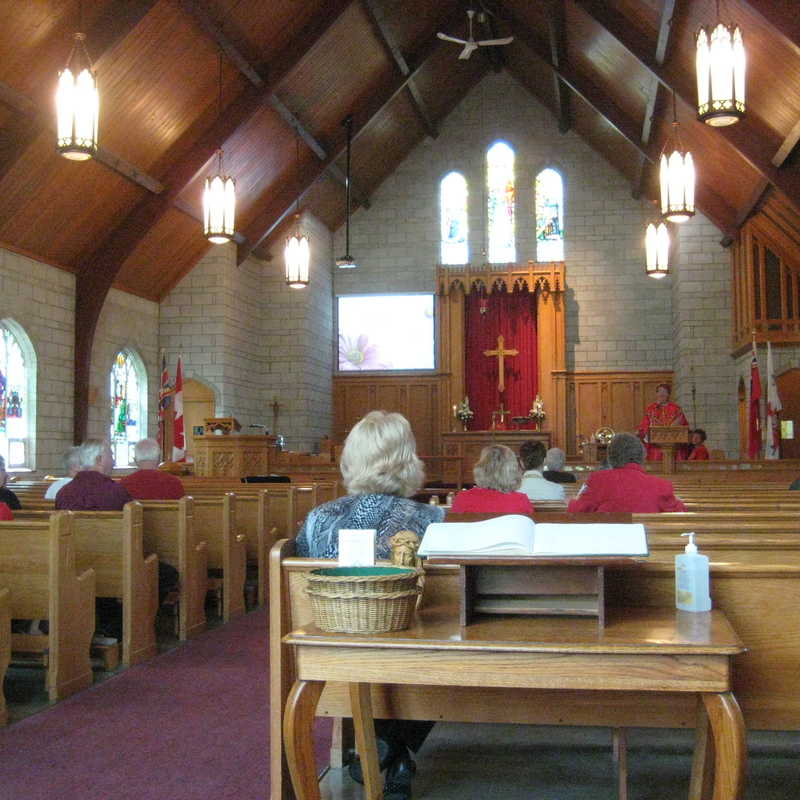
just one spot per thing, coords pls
(754, 439)
(179, 440)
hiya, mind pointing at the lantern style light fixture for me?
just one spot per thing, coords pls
(77, 104)
(677, 176)
(720, 64)
(656, 243)
(219, 194)
(296, 254)
(347, 261)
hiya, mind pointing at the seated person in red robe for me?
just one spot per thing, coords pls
(626, 487)
(697, 448)
(498, 476)
(662, 412)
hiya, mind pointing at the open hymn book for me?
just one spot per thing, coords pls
(515, 535)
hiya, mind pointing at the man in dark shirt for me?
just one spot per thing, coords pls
(149, 482)
(554, 467)
(92, 489)
(6, 495)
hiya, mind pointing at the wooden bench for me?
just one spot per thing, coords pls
(758, 599)
(169, 531)
(111, 543)
(5, 647)
(253, 520)
(38, 566)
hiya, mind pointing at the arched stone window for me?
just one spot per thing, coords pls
(17, 396)
(501, 200)
(453, 213)
(549, 193)
(128, 396)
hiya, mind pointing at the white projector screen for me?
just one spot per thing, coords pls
(385, 332)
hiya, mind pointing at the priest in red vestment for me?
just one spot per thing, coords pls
(662, 412)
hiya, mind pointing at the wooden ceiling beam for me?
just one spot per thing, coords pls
(750, 138)
(99, 270)
(556, 31)
(782, 18)
(789, 143)
(387, 41)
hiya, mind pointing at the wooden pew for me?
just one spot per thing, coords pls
(169, 531)
(38, 566)
(215, 522)
(252, 520)
(111, 543)
(5, 647)
(757, 597)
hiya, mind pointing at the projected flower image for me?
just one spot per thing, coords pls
(358, 353)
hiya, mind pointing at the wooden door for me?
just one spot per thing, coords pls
(198, 403)
(788, 385)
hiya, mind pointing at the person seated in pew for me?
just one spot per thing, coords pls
(795, 485)
(149, 482)
(697, 448)
(92, 488)
(381, 471)
(6, 495)
(71, 467)
(554, 467)
(497, 479)
(626, 487)
(534, 484)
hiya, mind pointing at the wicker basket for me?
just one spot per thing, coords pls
(363, 599)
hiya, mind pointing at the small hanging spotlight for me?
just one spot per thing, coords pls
(347, 261)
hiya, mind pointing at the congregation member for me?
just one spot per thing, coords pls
(497, 477)
(534, 484)
(626, 487)
(6, 495)
(661, 413)
(554, 467)
(149, 482)
(381, 471)
(697, 447)
(92, 488)
(71, 467)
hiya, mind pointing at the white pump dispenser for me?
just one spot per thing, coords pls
(691, 579)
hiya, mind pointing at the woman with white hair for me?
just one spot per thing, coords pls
(554, 467)
(381, 471)
(498, 476)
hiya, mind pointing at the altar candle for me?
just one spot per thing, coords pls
(455, 410)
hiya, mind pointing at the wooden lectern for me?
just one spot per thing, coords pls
(668, 437)
(223, 424)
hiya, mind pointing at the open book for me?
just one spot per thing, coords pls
(515, 535)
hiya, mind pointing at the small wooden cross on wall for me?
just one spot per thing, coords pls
(500, 353)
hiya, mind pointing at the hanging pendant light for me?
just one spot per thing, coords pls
(219, 194)
(296, 253)
(347, 261)
(677, 176)
(656, 244)
(720, 64)
(77, 103)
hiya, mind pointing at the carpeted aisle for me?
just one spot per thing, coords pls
(190, 724)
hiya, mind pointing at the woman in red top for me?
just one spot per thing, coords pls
(662, 412)
(497, 476)
(697, 448)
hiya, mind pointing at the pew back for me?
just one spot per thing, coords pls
(5, 647)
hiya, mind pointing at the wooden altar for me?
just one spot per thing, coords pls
(232, 456)
(467, 445)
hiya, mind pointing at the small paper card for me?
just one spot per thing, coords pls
(357, 548)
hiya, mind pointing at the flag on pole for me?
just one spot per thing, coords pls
(773, 407)
(178, 440)
(163, 399)
(754, 438)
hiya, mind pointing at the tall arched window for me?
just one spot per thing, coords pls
(453, 211)
(128, 394)
(549, 193)
(17, 396)
(501, 200)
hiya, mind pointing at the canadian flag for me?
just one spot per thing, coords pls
(178, 439)
(773, 448)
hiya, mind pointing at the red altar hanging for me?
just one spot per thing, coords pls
(487, 316)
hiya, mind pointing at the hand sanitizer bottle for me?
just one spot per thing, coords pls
(691, 579)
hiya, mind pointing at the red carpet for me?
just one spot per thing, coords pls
(190, 724)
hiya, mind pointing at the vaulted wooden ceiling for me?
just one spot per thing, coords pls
(130, 218)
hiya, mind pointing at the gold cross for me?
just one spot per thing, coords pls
(501, 353)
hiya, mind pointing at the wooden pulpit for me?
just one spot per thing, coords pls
(223, 425)
(668, 438)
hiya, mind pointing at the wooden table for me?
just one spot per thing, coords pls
(658, 650)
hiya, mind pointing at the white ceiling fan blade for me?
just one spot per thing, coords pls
(493, 42)
(469, 49)
(445, 38)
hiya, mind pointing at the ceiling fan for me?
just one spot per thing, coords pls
(470, 45)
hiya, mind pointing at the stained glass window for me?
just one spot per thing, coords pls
(500, 195)
(549, 191)
(127, 394)
(453, 210)
(15, 399)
